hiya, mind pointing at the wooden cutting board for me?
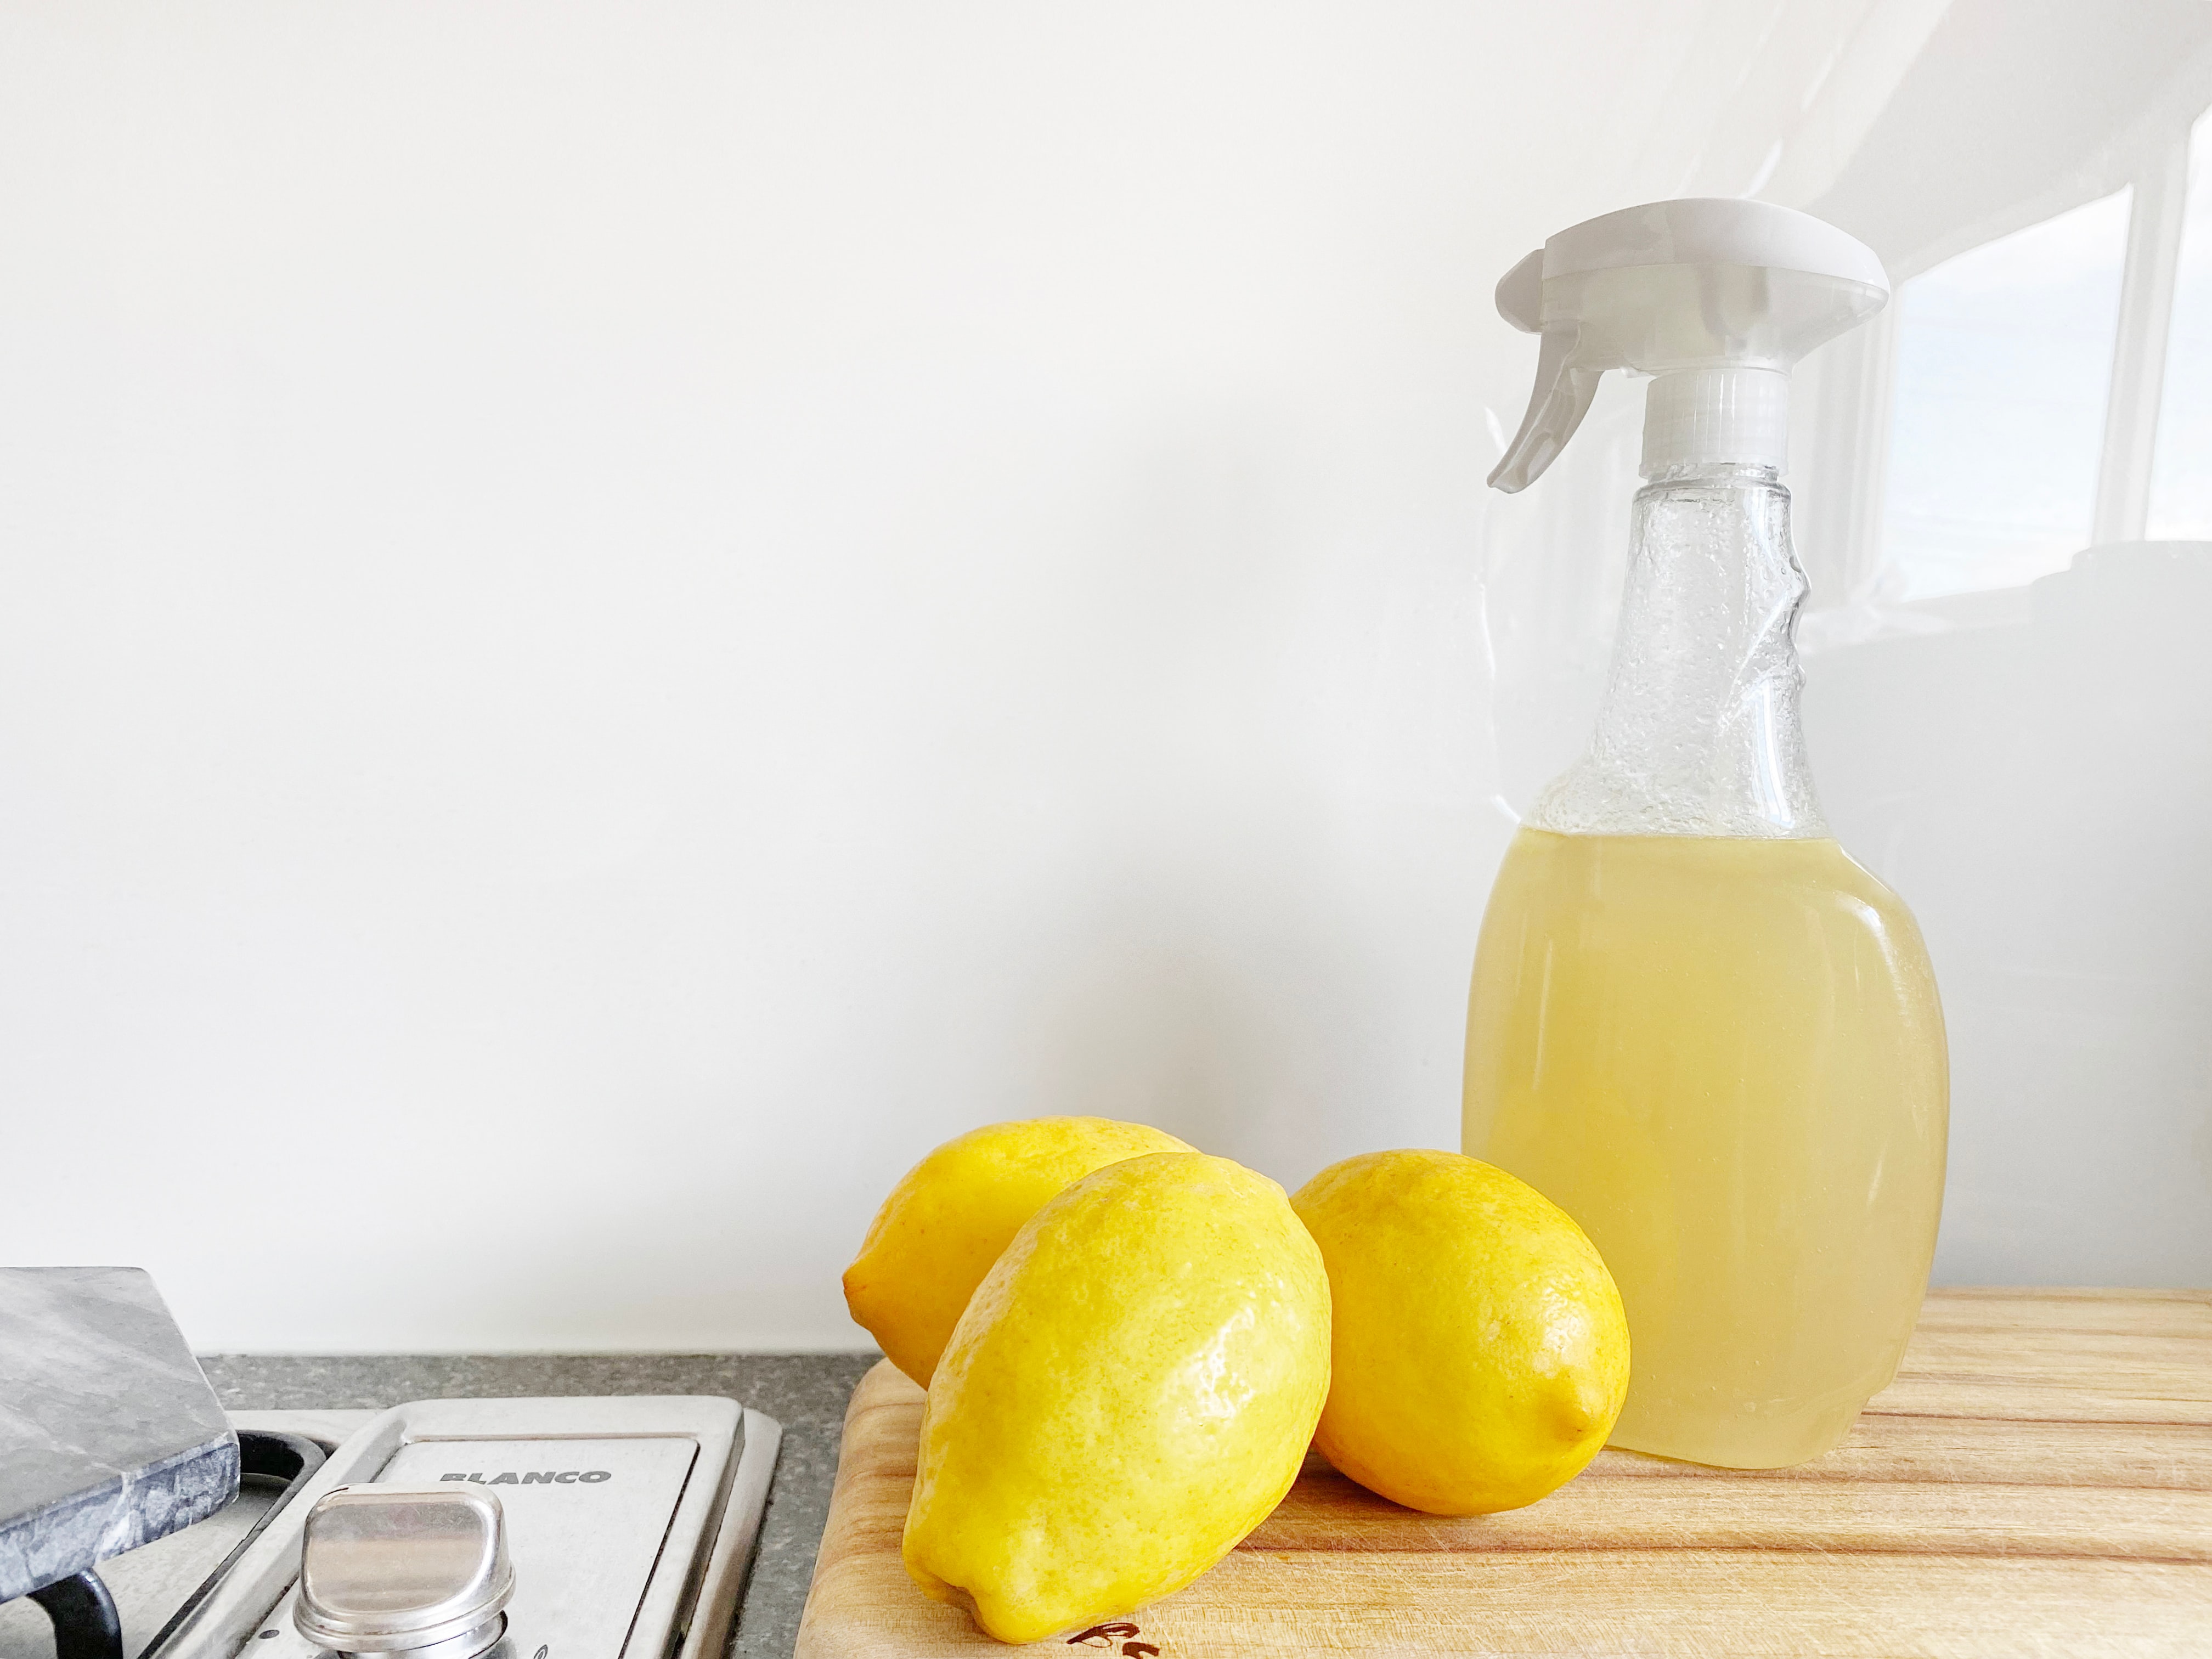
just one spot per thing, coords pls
(2037, 1481)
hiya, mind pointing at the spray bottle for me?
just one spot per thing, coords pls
(1696, 1025)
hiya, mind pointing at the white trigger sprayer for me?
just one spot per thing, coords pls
(1717, 298)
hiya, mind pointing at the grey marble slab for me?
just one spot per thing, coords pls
(805, 1393)
(110, 1437)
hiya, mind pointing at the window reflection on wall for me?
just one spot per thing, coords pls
(2004, 357)
(2181, 476)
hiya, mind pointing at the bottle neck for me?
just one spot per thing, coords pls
(1700, 733)
(1718, 416)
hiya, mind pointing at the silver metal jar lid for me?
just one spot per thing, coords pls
(387, 1569)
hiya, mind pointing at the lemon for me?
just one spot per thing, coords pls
(1130, 1392)
(943, 1226)
(1481, 1352)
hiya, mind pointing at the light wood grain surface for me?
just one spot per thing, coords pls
(2037, 1481)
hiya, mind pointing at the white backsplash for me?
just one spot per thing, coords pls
(613, 622)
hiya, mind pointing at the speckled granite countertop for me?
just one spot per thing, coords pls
(805, 1393)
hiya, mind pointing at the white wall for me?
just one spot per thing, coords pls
(613, 621)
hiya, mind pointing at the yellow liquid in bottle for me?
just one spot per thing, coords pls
(1725, 1059)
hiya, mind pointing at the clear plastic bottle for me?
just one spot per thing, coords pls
(1715, 1042)
(1696, 1025)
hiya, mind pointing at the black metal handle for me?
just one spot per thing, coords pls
(85, 1624)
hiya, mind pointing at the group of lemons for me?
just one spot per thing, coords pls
(1129, 1346)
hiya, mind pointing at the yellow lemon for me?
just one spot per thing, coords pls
(1481, 1352)
(1130, 1392)
(943, 1226)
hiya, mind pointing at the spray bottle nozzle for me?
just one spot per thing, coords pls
(1718, 298)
